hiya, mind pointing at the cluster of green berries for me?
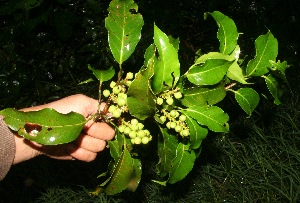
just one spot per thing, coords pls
(135, 131)
(174, 120)
(118, 96)
(168, 97)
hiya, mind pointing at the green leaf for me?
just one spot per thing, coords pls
(197, 133)
(102, 75)
(141, 100)
(149, 56)
(247, 98)
(115, 150)
(47, 126)
(227, 33)
(274, 88)
(236, 73)
(167, 67)
(136, 175)
(213, 117)
(209, 73)
(124, 27)
(199, 96)
(279, 69)
(213, 55)
(122, 174)
(266, 49)
(182, 164)
(167, 145)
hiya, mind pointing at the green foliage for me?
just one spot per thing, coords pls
(183, 106)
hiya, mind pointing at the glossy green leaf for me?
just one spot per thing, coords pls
(174, 42)
(274, 88)
(213, 117)
(47, 126)
(213, 55)
(227, 33)
(266, 49)
(136, 175)
(197, 133)
(124, 27)
(236, 73)
(198, 96)
(167, 67)
(279, 69)
(182, 164)
(141, 100)
(114, 149)
(247, 98)
(150, 56)
(167, 145)
(102, 75)
(121, 175)
(209, 73)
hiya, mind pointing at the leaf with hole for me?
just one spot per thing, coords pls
(47, 126)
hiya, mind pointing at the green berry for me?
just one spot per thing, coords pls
(147, 133)
(177, 95)
(178, 128)
(132, 141)
(116, 113)
(185, 132)
(168, 125)
(121, 102)
(128, 83)
(141, 133)
(127, 130)
(173, 113)
(132, 134)
(129, 75)
(134, 121)
(141, 126)
(106, 93)
(145, 140)
(121, 128)
(159, 101)
(170, 100)
(134, 127)
(122, 95)
(172, 125)
(137, 140)
(117, 89)
(163, 119)
(112, 84)
(182, 118)
(112, 108)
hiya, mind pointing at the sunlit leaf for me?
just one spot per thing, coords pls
(141, 100)
(213, 117)
(47, 126)
(124, 27)
(227, 33)
(167, 67)
(209, 73)
(198, 96)
(236, 73)
(247, 98)
(167, 145)
(274, 88)
(279, 69)
(102, 75)
(266, 50)
(182, 164)
(213, 55)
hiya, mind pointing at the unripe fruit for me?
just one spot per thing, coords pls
(141, 126)
(182, 118)
(121, 102)
(168, 125)
(129, 75)
(134, 121)
(163, 119)
(112, 108)
(172, 124)
(147, 132)
(170, 100)
(127, 130)
(112, 84)
(116, 113)
(159, 101)
(121, 128)
(137, 140)
(141, 133)
(145, 140)
(177, 95)
(185, 132)
(132, 134)
(106, 93)
(117, 89)
(122, 95)
(134, 127)
(178, 128)
(173, 113)
(128, 83)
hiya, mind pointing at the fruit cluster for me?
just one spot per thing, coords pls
(135, 131)
(172, 117)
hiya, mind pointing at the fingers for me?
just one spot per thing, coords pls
(99, 130)
(91, 144)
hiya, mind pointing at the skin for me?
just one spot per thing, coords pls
(91, 141)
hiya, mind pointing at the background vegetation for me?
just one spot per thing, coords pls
(45, 47)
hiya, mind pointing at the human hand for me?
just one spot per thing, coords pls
(91, 141)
